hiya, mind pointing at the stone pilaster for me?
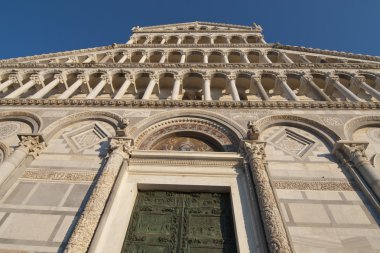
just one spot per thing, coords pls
(30, 145)
(275, 233)
(120, 150)
(352, 154)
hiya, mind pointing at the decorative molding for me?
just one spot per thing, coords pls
(182, 161)
(84, 230)
(314, 185)
(32, 144)
(327, 52)
(277, 239)
(192, 104)
(53, 175)
(217, 132)
(248, 66)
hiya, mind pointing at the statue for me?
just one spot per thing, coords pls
(253, 132)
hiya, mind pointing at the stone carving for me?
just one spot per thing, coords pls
(32, 144)
(275, 233)
(314, 185)
(179, 143)
(214, 131)
(120, 149)
(48, 175)
(332, 121)
(253, 132)
(8, 129)
(85, 137)
(310, 105)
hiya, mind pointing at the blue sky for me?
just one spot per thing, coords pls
(30, 27)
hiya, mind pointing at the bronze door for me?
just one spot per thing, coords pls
(176, 222)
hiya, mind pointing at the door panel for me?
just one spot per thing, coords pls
(168, 222)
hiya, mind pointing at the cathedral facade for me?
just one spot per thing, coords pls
(191, 137)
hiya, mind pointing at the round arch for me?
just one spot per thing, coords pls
(359, 122)
(328, 135)
(217, 128)
(111, 118)
(33, 120)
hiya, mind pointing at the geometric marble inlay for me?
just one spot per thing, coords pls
(294, 143)
(374, 134)
(8, 128)
(85, 137)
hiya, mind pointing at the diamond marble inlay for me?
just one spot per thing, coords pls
(294, 143)
(85, 137)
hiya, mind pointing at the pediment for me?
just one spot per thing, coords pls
(195, 26)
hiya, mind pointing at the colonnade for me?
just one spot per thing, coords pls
(199, 39)
(236, 86)
(226, 56)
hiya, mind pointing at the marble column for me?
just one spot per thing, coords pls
(304, 58)
(143, 58)
(34, 79)
(289, 94)
(176, 87)
(334, 81)
(70, 91)
(12, 78)
(275, 233)
(163, 58)
(207, 88)
(149, 88)
(245, 58)
(30, 145)
(123, 58)
(225, 58)
(263, 58)
(109, 55)
(98, 88)
(124, 87)
(183, 57)
(179, 41)
(89, 59)
(359, 82)
(352, 153)
(147, 41)
(260, 88)
(286, 58)
(262, 40)
(163, 41)
(232, 85)
(205, 58)
(307, 81)
(120, 150)
(58, 78)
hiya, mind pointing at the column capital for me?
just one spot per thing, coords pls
(177, 77)
(83, 77)
(307, 77)
(106, 78)
(36, 78)
(255, 149)
(121, 145)
(332, 77)
(256, 78)
(32, 144)
(15, 77)
(281, 77)
(351, 149)
(110, 54)
(206, 77)
(231, 77)
(60, 77)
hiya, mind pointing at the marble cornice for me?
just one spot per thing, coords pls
(191, 104)
(142, 46)
(327, 52)
(248, 66)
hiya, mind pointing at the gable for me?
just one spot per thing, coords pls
(195, 26)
